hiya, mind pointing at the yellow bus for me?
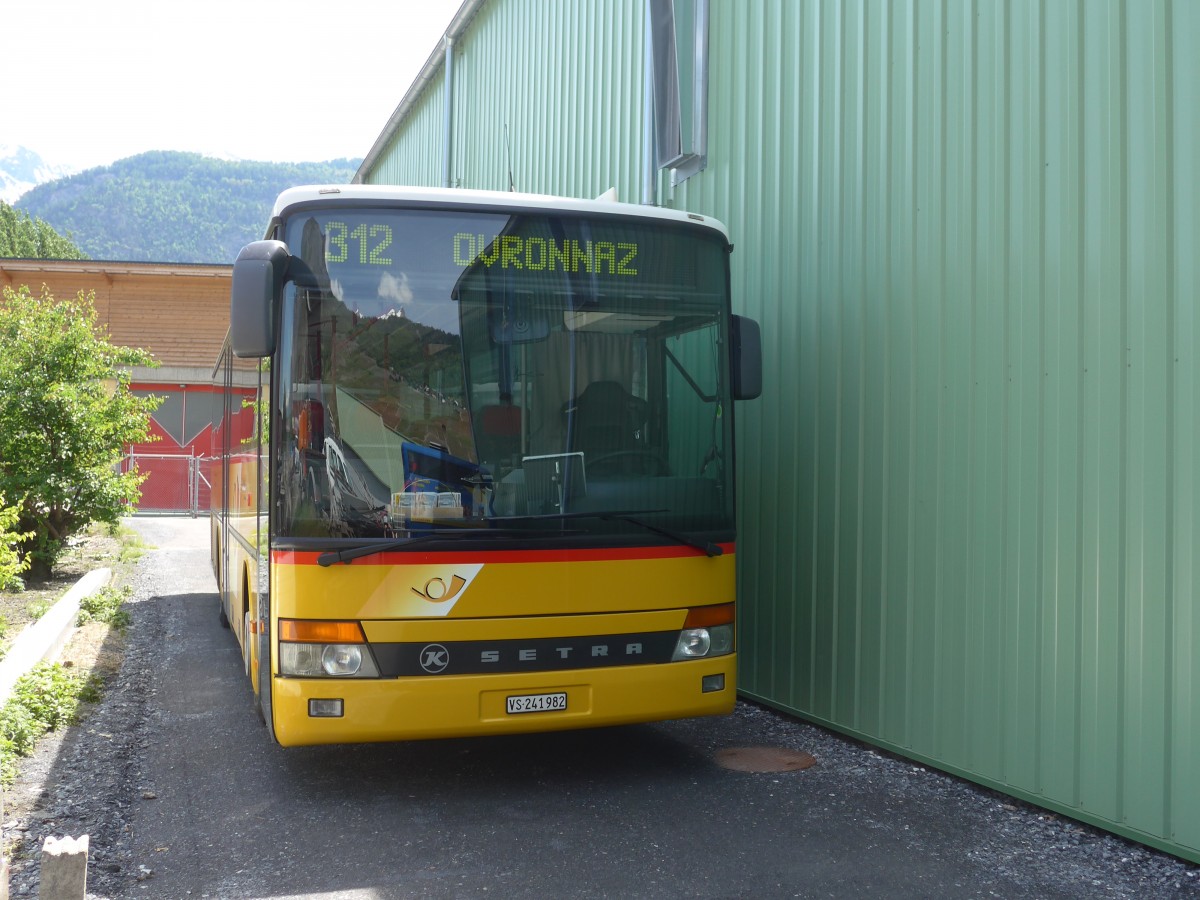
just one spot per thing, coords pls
(490, 488)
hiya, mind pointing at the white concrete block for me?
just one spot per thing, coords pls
(64, 869)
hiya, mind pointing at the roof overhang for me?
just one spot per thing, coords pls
(11, 268)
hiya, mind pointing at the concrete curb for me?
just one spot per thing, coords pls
(46, 637)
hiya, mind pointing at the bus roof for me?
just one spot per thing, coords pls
(458, 197)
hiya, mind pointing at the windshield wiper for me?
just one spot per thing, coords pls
(331, 557)
(708, 548)
(358, 551)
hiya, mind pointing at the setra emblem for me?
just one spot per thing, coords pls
(434, 658)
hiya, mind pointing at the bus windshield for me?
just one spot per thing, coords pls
(446, 369)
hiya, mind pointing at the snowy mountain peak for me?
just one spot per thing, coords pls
(22, 169)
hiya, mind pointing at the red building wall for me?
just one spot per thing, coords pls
(175, 461)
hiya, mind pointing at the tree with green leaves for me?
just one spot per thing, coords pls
(66, 415)
(11, 563)
(27, 237)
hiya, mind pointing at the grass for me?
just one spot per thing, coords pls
(131, 546)
(38, 608)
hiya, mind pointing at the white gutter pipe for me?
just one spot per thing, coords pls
(448, 112)
(649, 164)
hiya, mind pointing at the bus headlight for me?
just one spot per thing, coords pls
(694, 643)
(326, 661)
(341, 659)
(313, 650)
(707, 631)
(721, 640)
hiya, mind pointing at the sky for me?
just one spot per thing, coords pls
(86, 82)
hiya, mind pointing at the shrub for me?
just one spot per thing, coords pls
(66, 415)
(11, 563)
(105, 606)
(46, 698)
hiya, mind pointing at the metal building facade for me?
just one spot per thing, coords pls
(547, 98)
(970, 511)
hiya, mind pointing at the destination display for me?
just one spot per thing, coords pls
(371, 244)
(539, 254)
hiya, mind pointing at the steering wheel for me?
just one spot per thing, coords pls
(628, 462)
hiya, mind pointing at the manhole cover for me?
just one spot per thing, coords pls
(764, 759)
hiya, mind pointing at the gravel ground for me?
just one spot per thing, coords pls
(1046, 854)
(97, 786)
(95, 769)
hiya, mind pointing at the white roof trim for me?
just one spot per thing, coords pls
(498, 199)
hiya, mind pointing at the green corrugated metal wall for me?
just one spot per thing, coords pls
(417, 162)
(970, 510)
(559, 112)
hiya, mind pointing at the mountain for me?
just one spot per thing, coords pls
(22, 169)
(166, 206)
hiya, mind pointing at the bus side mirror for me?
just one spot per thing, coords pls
(745, 358)
(257, 279)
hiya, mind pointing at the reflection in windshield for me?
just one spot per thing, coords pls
(441, 370)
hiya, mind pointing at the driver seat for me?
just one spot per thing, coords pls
(607, 419)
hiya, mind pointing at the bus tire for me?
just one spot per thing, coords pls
(224, 619)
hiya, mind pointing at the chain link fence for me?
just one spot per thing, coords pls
(175, 483)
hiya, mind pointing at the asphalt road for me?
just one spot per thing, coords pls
(643, 811)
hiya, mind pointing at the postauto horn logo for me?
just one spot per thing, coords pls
(431, 590)
(437, 591)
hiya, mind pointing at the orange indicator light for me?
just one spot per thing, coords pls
(707, 616)
(317, 632)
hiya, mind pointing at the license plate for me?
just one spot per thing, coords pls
(534, 703)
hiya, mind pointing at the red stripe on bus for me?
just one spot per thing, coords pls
(457, 557)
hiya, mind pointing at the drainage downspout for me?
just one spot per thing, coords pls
(447, 176)
(650, 170)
